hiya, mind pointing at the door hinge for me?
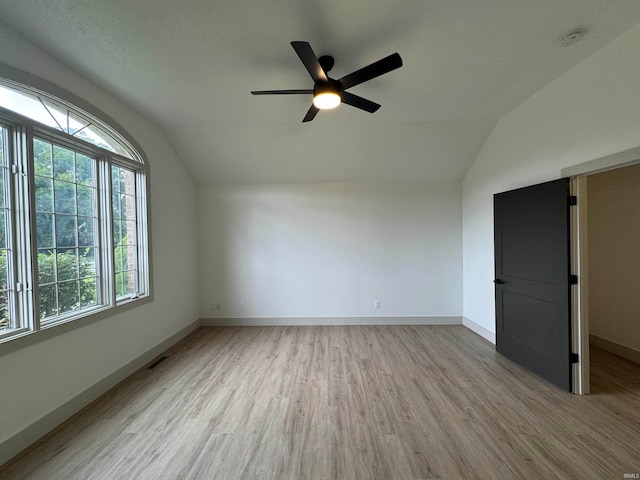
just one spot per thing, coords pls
(574, 357)
(573, 200)
(573, 279)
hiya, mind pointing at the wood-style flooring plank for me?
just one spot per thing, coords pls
(345, 402)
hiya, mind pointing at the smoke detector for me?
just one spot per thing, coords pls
(573, 37)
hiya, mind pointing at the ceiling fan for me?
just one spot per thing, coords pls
(327, 92)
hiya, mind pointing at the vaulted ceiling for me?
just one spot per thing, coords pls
(189, 66)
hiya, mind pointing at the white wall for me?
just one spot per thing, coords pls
(590, 112)
(331, 250)
(39, 378)
(614, 255)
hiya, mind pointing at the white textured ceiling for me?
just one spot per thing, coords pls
(189, 66)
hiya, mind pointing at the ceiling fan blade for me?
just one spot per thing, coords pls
(281, 92)
(374, 70)
(311, 114)
(310, 61)
(359, 102)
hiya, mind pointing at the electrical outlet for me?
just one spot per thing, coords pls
(214, 306)
(376, 304)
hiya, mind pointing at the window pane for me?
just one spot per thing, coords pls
(128, 178)
(125, 284)
(115, 199)
(127, 207)
(68, 296)
(85, 200)
(48, 301)
(118, 258)
(66, 220)
(4, 311)
(115, 179)
(84, 169)
(3, 270)
(117, 233)
(65, 197)
(133, 281)
(119, 285)
(124, 202)
(44, 194)
(88, 266)
(2, 201)
(44, 227)
(53, 114)
(63, 164)
(67, 265)
(131, 232)
(124, 175)
(46, 267)
(66, 230)
(85, 232)
(125, 228)
(25, 104)
(132, 260)
(42, 158)
(3, 232)
(88, 296)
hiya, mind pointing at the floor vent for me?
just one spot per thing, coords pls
(156, 363)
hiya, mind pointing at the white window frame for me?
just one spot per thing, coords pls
(22, 131)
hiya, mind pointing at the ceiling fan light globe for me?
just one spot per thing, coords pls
(326, 100)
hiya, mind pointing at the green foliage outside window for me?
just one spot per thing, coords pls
(121, 261)
(61, 297)
(70, 295)
(65, 226)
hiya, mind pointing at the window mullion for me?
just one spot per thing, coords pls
(144, 277)
(105, 225)
(24, 224)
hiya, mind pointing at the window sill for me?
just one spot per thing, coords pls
(27, 338)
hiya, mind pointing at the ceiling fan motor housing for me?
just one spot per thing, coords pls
(332, 86)
(326, 62)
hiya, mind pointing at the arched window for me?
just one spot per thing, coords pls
(73, 210)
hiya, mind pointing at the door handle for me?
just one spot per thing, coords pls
(497, 281)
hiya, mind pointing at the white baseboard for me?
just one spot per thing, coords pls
(613, 347)
(29, 435)
(280, 321)
(479, 329)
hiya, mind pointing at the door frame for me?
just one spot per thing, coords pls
(579, 257)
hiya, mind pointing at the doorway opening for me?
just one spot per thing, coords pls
(605, 254)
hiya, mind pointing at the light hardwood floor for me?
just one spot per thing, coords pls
(337, 402)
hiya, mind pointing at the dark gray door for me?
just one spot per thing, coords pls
(532, 277)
